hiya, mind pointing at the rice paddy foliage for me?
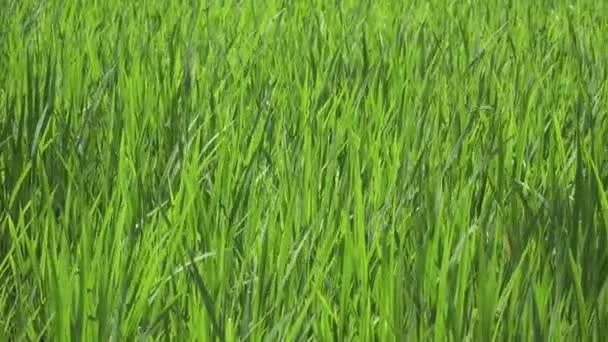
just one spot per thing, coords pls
(303, 170)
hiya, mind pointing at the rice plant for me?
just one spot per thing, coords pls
(303, 170)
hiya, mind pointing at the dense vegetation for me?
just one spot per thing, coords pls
(297, 170)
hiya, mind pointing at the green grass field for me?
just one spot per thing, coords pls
(303, 170)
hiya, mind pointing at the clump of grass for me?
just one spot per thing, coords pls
(298, 171)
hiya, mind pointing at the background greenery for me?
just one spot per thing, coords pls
(303, 170)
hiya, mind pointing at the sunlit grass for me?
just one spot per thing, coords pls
(273, 170)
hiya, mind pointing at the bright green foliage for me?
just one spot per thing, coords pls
(303, 170)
